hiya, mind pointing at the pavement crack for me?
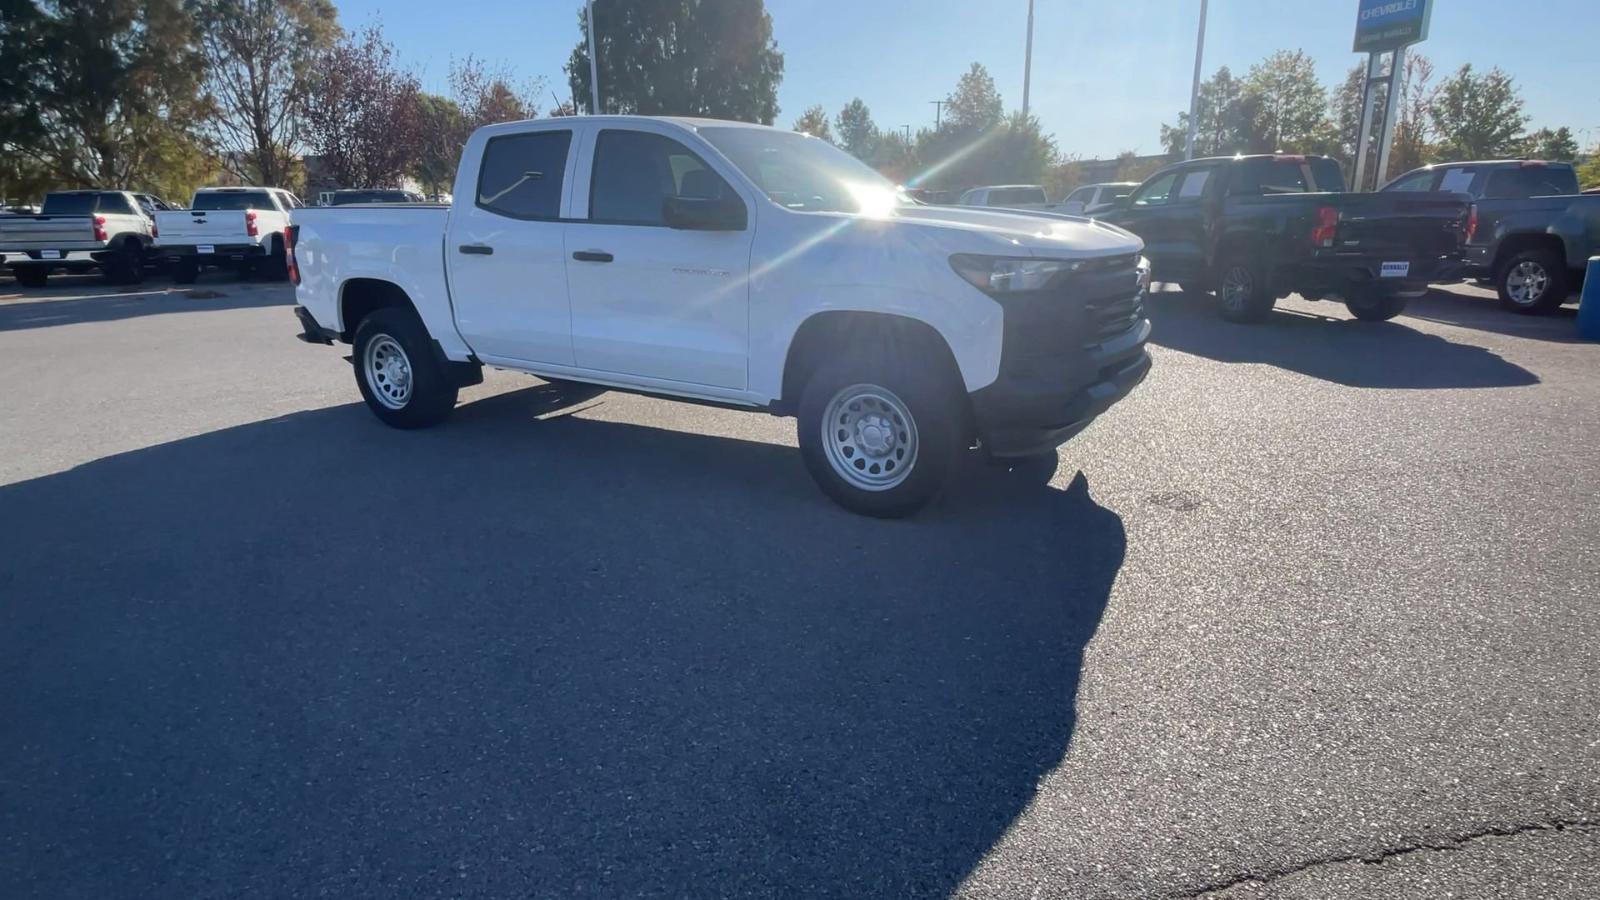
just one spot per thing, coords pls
(1447, 843)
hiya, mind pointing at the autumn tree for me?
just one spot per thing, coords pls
(1413, 133)
(440, 130)
(1477, 116)
(362, 112)
(487, 94)
(857, 133)
(712, 58)
(259, 56)
(814, 121)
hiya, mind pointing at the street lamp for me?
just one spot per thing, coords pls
(594, 70)
(1194, 91)
(1027, 62)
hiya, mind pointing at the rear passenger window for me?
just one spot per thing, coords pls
(115, 204)
(1269, 176)
(1526, 181)
(635, 171)
(521, 174)
(1194, 184)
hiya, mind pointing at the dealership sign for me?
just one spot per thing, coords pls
(1387, 24)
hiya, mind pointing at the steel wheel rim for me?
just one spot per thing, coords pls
(1236, 287)
(388, 371)
(869, 437)
(1527, 282)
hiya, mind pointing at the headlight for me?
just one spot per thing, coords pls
(1005, 274)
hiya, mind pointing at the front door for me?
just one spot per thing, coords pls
(647, 300)
(506, 252)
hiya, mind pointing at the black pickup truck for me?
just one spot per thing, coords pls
(1257, 228)
(1530, 233)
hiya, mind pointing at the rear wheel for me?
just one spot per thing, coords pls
(879, 435)
(1244, 293)
(32, 276)
(186, 270)
(126, 266)
(399, 377)
(1533, 281)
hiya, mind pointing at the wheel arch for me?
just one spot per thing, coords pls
(360, 297)
(1514, 244)
(827, 332)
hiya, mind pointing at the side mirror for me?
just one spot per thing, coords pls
(691, 214)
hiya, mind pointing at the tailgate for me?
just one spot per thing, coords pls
(47, 233)
(202, 226)
(1402, 224)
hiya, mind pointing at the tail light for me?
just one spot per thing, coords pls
(1472, 222)
(291, 236)
(1327, 226)
(100, 228)
(155, 229)
(250, 223)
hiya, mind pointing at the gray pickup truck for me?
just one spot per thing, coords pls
(79, 231)
(1529, 232)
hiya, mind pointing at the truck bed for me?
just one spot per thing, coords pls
(405, 240)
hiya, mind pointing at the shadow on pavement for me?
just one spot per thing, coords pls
(1347, 352)
(511, 656)
(1484, 313)
(128, 303)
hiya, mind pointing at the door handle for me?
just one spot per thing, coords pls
(476, 249)
(592, 256)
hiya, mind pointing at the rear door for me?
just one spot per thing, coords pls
(649, 300)
(505, 248)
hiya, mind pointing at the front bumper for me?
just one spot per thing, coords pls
(1069, 355)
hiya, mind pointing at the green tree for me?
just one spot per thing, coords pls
(259, 57)
(1413, 134)
(711, 58)
(857, 133)
(1229, 120)
(976, 103)
(1589, 172)
(814, 121)
(1558, 145)
(1477, 116)
(116, 99)
(895, 157)
(1292, 104)
(441, 128)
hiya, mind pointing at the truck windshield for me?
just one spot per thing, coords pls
(70, 204)
(803, 173)
(232, 200)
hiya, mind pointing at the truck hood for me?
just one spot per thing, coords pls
(970, 230)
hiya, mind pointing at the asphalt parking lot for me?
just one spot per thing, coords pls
(1315, 613)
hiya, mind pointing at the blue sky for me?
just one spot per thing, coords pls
(1106, 73)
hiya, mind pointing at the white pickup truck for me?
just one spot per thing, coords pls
(236, 227)
(78, 231)
(736, 265)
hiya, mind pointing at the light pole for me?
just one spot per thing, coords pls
(1194, 90)
(594, 70)
(938, 107)
(1027, 62)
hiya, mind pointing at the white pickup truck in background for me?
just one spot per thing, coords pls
(79, 231)
(234, 227)
(742, 266)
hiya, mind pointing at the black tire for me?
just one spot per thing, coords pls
(1374, 305)
(931, 397)
(1532, 282)
(1244, 291)
(277, 267)
(126, 266)
(186, 270)
(429, 395)
(32, 276)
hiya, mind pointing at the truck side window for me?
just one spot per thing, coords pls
(115, 204)
(1157, 192)
(636, 171)
(1416, 181)
(1524, 181)
(1194, 185)
(521, 174)
(1269, 176)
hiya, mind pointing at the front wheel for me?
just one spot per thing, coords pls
(879, 437)
(1374, 306)
(399, 377)
(1533, 281)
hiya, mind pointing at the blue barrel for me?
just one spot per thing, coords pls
(1589, 305)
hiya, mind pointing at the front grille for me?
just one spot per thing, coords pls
(1114, 315)
(1079, 310)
